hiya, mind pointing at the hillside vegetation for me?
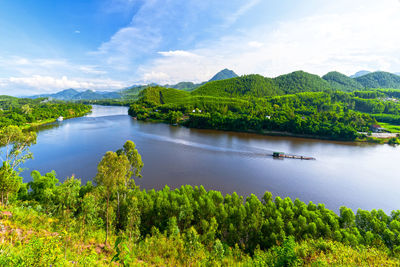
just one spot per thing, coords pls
(244, 86)
(341, 82)
(379, 79)
(300, 81)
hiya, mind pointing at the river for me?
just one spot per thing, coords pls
(354, 175)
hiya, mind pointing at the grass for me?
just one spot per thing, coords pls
(390, 127)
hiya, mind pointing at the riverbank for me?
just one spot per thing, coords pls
(30, 126)
(374, 138)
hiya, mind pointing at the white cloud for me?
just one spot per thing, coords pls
(178, 53)
(240, 11)
(77, 31)
(38, 84)
(255, 44)
(91, 70)
(21, 61)
(158, 25)
(155, 77)
(362, 37)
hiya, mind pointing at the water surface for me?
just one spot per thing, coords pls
(355, 175)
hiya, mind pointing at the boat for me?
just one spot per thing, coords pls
(59, 119)
(282, 155)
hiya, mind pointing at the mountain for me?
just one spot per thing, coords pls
(92, 95)
(300, 81)
(72, 94)
(66, 94)
(185, 86)
(379, 79)
(247, 85)
(339, 81)
(397, 73)
(223, 74)
(360, 73)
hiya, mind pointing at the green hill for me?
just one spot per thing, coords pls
(158, 95)
(300, 81)
(133, 91)
(243, 86)
(339, 81)
(380, 79)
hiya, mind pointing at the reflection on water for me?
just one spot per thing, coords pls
(354, 175)
(100, 111)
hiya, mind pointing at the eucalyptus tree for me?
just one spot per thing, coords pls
(115, 172)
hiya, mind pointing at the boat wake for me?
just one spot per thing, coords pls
(259, 153)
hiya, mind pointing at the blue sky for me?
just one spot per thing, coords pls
(47, 46)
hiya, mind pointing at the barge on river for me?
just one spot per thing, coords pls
(282, 155)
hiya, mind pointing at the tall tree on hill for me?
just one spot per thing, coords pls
(114, 174)
(15, 151)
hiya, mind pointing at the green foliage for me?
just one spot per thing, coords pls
(10, 182)
(341, 82)
(160, 95)
(244, 86)
(43, 187)
(26, 112)
(300, 81)
(330, 114)
(379, 79)
(16, 145)
(286, 255)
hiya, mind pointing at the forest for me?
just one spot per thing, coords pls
(26, 112)
(111, 220)
(328, 114)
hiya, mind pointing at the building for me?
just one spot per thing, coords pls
(376, 128)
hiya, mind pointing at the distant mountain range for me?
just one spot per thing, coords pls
(72, 94)
(364, 72)
(359, 73)
(228, 83)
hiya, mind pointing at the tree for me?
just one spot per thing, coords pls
(43, 187)
(66, 200)
(115, 171)
(10, 181)
(26, 109)
(135, 163)
(111, 173)
(89, 208)
(16, 145)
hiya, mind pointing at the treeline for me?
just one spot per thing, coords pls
(23, 111)
(206, 217)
